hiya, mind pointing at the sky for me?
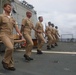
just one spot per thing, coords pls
(60, 12)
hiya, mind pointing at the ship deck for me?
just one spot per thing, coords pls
(60, 60)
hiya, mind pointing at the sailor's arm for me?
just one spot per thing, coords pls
(0, 19)
(43, 30)
(23, 25)
(58, 34)
(35, 28)
(46, 29)
(17, 30)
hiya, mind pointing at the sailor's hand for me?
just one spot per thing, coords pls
(20, 34)
(38, 31)
(59, 35)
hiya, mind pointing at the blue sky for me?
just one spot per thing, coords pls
(60, 12)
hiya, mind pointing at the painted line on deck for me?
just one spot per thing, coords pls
(52, 52)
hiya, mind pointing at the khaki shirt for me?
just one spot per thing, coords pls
(53, 31)
(56, 32)
(28, 25)
(6, 25)
(48, 30)
(39, 26)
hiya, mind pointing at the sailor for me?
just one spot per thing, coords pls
(40, 38)
(26, 27)
(7, 23)
(49, 35)
(56, 35)
(53, 35)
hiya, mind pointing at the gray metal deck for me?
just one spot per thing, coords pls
(52, 62)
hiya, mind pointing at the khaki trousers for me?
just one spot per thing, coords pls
(8, 42)
(40, 40)
(54, 39)
(50, 39)
(57, 38)
(29, 44)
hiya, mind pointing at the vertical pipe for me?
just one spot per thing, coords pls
(1, 6)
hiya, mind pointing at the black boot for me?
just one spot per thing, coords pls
(48, 47)
(26, 57)
(56, 44)
(39, 52)
(5, 66)
(11, 68)
(31, 58)
(52, 46)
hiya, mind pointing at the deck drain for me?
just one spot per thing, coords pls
(56, 61)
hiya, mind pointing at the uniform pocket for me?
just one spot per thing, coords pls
(4, 20)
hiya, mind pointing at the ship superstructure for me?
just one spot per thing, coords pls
(19, 9)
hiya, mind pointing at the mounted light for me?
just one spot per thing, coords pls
(14, 11)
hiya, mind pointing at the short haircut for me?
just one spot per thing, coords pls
(39, 17)
(52, 25)
(6, 5)
(56, 26)
(49, 23)
(28, 12)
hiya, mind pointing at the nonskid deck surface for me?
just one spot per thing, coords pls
(60, 60)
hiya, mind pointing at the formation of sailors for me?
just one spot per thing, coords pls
(7, 23)
(52, 35)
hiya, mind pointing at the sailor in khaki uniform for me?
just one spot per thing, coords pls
(26, 28)
(49, 36)
(7, 23)
(40, 38)
(53, 35)
(56, 35)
